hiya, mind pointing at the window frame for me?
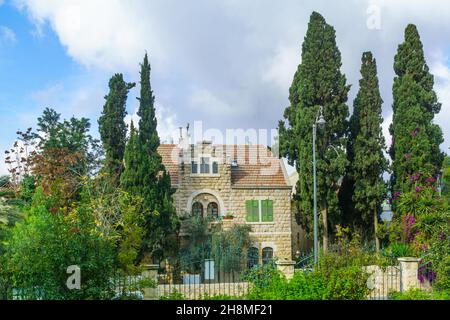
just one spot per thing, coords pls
(265, 212)
(193, 213)
(252, 259)
(266, 260)
(212, 203)
(208, 166)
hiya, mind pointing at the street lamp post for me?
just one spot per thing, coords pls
(319, 121)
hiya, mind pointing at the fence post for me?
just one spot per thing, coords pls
(151, 272)
(409, 271)
(286, 267)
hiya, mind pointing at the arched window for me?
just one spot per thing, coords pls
(267, 255)
(197, 209)
(213, 210)
(252, 257)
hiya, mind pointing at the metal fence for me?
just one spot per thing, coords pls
(214, 276)
(383, 281)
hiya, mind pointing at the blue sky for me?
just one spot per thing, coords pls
(228, 63)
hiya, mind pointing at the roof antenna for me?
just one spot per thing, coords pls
(181, 132)
(187, 129)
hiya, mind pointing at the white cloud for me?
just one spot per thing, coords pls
(205, 101)
(167, 128)
(82, 99)
(385, 126)
(7, 35)
(241, 54)
(442, 79)
(282, 67)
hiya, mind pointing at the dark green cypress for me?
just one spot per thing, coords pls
(145, 175)
(366, 146)
(317, 82)
(416, 139)
(131, 179)
(112, 126)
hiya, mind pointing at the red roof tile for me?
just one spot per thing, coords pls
(257, 166)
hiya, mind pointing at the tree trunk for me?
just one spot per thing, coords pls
(325, 230)
(375, 224)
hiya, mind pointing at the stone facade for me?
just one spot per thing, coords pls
(253, 174)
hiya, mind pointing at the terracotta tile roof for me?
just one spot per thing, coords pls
(257, 166)
(166, 151)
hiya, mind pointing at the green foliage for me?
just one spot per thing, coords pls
(365, 149)
(397, 250)
(340, 276)
(174, 295)
(4, 180)
(317, 82)
(198, 248)
(445, 183)
(27, 188)
(220, 297)
(347, 283)
(73, 135)
(230, 246)
(417, 294)
(145, 176)
(112, 127)
(439, 254)
(44, 245)
(416, 138)
(412, 294)
(420, 214)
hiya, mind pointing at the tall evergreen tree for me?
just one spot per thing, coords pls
(112, 127)
(317, 82)
(131, 180)
(145, 175)
(416, 138)
(365, 148)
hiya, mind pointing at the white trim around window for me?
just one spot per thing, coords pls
(210, 165)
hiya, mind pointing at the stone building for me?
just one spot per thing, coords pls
(237, 184)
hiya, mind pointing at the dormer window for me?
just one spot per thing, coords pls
(205, 165)
(194, 167)
(215, 167)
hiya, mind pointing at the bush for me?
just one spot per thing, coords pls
(412, 294)
(348, 283)
(340, 276)
(174, 295)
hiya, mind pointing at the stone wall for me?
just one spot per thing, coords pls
(231, 200)
(199, 291)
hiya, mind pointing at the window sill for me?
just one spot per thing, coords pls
(205, 175)
(262, 223)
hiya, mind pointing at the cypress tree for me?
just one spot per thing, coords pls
(131, 179)
(366, 145)
(112, 126)
(416, 138)
(317, 82)
(145, 175)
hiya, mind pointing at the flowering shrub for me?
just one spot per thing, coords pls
(426, 273)
(422, 222)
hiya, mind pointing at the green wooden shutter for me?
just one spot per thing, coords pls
(267, 210)
(255, 211)
(252, 210)
(248, 208)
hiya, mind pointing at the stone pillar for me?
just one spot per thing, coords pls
(286, 267)
(409, 269)
(151, 272)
